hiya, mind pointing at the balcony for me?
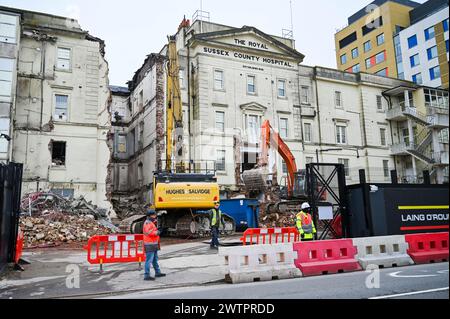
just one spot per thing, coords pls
(440, 158)
(438, 118)
(401, 112)
(401, 149)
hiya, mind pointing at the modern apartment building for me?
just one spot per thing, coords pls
(422, 49)
(366, 44)
(53, 104)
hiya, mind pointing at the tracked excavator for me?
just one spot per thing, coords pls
(183, 192)
(258, 180)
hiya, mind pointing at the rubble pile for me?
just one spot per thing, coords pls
(128, 207)
(53, 228)
(35, 204)
(274, 220)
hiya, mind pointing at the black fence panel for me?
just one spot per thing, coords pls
(10, 190)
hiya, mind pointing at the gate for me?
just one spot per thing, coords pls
(329, 180)
(10, 190)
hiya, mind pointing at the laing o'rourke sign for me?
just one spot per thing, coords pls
(411, 210)
(429, 216)
(248, 57)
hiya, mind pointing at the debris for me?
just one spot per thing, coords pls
(55, 228)
(128, 207)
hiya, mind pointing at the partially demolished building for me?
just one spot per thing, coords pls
(53, 105)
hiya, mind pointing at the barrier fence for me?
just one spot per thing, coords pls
(263, 236)
(111, 249)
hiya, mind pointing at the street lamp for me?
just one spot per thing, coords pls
(6, 137)
(326, 150)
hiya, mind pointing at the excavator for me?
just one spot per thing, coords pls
(258, 180)
(183, 192)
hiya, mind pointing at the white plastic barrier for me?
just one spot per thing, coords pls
(260, 263)
(384, 252)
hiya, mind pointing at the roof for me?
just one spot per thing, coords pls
(427, 9)
(121, 90)
(206, 36)
(363, 12)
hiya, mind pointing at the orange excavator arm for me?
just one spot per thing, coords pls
(270, 138)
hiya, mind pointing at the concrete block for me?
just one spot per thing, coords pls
(385, 252)
(259, 263)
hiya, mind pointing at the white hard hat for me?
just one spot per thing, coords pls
(305, 206)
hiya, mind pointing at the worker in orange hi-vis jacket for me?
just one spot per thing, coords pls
(151, 245)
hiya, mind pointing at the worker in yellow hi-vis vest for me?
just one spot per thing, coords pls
(305, 223)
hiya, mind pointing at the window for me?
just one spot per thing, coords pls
(367, 46)
(380, 57)
(384, 72)
(412, 41)
(284, 128)
(386, 168)
(432, 53)
(308, 131)
(253, 123)
(181, 78)
(443, 136)
(435, 73)
(4, 129)
(61, 107)
(341, 134)
(141, 100)
(380, 39)
(355, 53)
(63, 61)
(417, 78)
(8, 28)
(304, 94)
(383, 136)
(369, 63)
(338, 99)
(220, 121)
(445, 25)
(58, 150)
(414, 60)
(284, 167)
(343, 58)
(429, 34)
(346, 164)
(356, 68)
(373, 25)
(436, 98)
(251, 86)
(446, 45)
(122, 143)
(348, 40)
(220, 162)
(379, 103)
(218, 80)
(281, 88)
(6, 77)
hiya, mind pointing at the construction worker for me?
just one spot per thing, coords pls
(215, 216)
(151, 245)
(305, 223)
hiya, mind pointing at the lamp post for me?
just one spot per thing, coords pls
(326, 150)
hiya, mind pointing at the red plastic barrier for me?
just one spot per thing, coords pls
(19, 247)
(428, 248)
(326, 257)
(264, 236)
(113, 249)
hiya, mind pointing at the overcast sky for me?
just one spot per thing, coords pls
(134, 28)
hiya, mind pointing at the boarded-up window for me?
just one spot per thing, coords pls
(6, 74)
(61, 107)
(8, 28)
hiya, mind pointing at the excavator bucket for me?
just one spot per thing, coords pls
(256, 179)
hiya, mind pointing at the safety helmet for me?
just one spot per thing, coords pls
(305, 206)
(151, 212)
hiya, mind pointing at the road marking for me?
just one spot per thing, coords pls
(396, 275)
(412, 293)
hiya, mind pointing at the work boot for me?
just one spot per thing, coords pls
(160, 275)
(149, 278)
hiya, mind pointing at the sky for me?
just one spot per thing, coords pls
(133, 29)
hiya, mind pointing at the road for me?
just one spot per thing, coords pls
(416, 282)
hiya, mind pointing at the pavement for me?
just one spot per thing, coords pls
(429, 281)
(55, 273)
